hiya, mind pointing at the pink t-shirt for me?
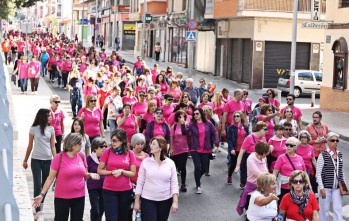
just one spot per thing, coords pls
(35, 69)
(202, 135)
(274, 102)
(23, 72)
(70, 182)
(141, 88)
(210, 104)
(129, 125)
(57, 119)
(158, 129)
(250, 142)
(130, 100)
(163, 87)
(176, 93)
(248, 105)
(285, 168)
(92, 121)
(154, 73)
(138, 165)
(230, 107)
(307, 153)
(297, 113)
(82, 67)
(167, 110)
(178, 140)
(90, 90)
(279, 146)
(138, 64)
(270, 124)
(148, 117)
(218, 109)
(67, 66)
(114, 162)
(139, 109)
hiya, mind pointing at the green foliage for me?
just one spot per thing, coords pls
(8, 6)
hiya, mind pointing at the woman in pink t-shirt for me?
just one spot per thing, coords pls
(174, 90)
(185, 98)
(205, 97)
(90, 89)
(23, 73)
(148, 116)
(286, 164)
(141, 85)
(69, 169)
(272, 100)
(248, 147)
(277, 146)
(118, 165)
(137, 145)
(127, 122)
(267, 116)
(160, 80)
(129, 98)
(168, 107)
(34, 74)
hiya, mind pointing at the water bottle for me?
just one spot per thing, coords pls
(138, 216)
(280, 217)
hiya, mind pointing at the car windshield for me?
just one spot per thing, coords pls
(318, 76)
(286, 74)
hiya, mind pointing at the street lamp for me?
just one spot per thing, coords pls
(294, 45)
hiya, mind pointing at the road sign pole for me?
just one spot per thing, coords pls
(143, 28)
(191, 44)
(294, 45)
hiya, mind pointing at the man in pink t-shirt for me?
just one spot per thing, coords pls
(230, 107)
(297, 113)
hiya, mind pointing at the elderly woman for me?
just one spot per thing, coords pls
(137, 145)
(300, 203)
(256, 164)
(118, 165)
(247, 147)
(159, 170)
(158, 127)
(236, 134)
(92, 118)
(263, 201)
(267, 116)
(128, 122)
(286, 164)
(69, 169)
(329, 172)
(94, 187)
(287, 116)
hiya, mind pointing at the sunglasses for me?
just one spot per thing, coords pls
(141, 95)
(288, 111)
(236, 116)
(57, 102)
(333, 140)
(196, 113)
(103, 146)
(303, 137)
(290, 145)
(115, 140)
(265, 128)
(288, 129)
(159, 112)
(185, 96)
(170, 99)
(93, 101)
(297, 181)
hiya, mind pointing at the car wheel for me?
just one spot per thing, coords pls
(297, 91)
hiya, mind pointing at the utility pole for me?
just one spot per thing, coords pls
(191, 44)
(143, 29)
(72, 20)
(82, 23)
(95, 30)
(294, 45)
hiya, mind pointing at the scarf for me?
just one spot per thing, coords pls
(302, 201)
(117, 151)
(94, 157)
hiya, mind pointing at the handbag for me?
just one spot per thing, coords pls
(342, 186)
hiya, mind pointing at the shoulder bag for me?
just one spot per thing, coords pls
(342, 186)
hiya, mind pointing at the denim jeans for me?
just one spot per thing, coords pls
(40, 171)
(155, 210)
(117, 204)
(112, 124)
(76, 103)
(24, 84)
(97, 204)
(200, 161)
(43, 69)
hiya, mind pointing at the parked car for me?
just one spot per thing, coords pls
(305, 82)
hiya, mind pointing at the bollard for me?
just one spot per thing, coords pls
(279, 96)
(312, 99)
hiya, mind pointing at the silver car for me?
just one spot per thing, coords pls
(305, 82)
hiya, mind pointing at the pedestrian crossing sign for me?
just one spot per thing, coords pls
(190, 36)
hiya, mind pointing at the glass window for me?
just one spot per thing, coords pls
(340, 53)
(305, 76)
(318, 76)
(343, 3)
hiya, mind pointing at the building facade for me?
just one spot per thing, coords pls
(334, 93)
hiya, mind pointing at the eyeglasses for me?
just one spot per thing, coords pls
(265, 128)
(104, 146)
(141, 95)
(290, 145)
(288, 111)
(159, 112)
(170, 99)
(115, 140)
(56, 102)
(297, 181)
(270, 110)
(288, 129)
(93, 101)
(303, 137)
(185, 96)
(333, 140)
(236, 116)
(196, 113)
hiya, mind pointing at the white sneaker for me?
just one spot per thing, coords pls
(198, 190)
(39, 216)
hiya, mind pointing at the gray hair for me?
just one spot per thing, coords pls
(71, 140)
(97, 142)
(331, 134)
(137, 138)
(306, 133)
(293, 140)
(190, 80)
(237, 92)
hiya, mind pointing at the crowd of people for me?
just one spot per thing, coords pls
(157, 120)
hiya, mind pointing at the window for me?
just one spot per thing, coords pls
(318, 76)
(305, 76)
(343, 3)
(340, 67)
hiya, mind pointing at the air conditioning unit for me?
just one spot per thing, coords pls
(223, 26)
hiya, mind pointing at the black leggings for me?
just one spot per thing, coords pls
(155, 210)
(75, 206)
(64, 78)
(34, 84)
(243, 169)
(200, 161)
(181, 165)
(233, 160)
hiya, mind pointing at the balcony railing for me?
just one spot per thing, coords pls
(279, 5)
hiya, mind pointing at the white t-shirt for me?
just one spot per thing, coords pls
(42, 143)
(261, 213)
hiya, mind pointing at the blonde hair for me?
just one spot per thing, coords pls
(264, 180)
(54, 97)
(295, 173)
(88, 98)
(216, 97)
(207, 110)
(71, 140)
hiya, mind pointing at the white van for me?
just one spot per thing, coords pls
(305, 82)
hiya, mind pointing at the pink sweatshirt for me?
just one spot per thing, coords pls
(255, 167)
(157, 182)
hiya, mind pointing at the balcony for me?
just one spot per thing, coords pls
(280, 5)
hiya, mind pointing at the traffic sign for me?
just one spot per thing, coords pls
(148, 18)
(192, 24)
(190, 36)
